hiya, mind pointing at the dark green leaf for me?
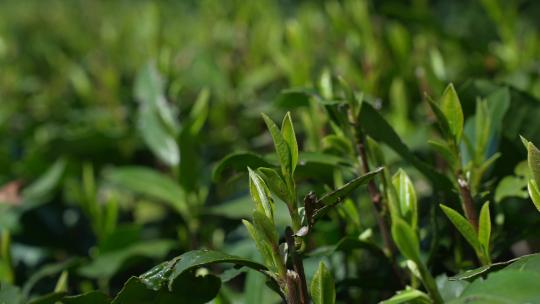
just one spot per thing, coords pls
(379, 129)
(199, 258)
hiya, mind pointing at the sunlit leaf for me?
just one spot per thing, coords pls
(322, 286)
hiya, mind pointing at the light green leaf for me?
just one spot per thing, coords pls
(407, 197)
(261, 195)
(451, 107)
(157, 137)
(442, 121)
(406, 240)
(501, 287)
(322, 286)
(151, 183)
(408, 295)
(275, 182)
(281, 146)
(511, 186)
(265, 228)
(463, 226)
(534, 162)
(199, 112)
(287, 131)
(263, 247)
(484, 228)
(534, 192)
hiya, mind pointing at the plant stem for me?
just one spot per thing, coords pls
(467, 200)
(429, 284)
(298, 266)
(375, 195)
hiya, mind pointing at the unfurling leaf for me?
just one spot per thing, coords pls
(407, 197)
(287, 131)
(451, 108)
(322, 286)
(484, 228)
(261, 195)
(281, 146)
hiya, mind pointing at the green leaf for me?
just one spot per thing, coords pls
(330, 199)
(40, 189)
(322, 286)
(287, 130)
(199, 258)
(343, 191)
(238, 161)
(484, 228)
(275, 182)
(463, 226)
(265, 228)
(264, 248)
(534, 162)
(261, 195)
(408, 295)
(407, 197)
(442, 148)
(482, 130)
(10, 294)
(50, 298)
(380, 130)
(47, 271)
(150, 183)
(108, 264)
(406, 240)
(294, 98)
(149, 92)
(160, 141)
(511, 186)
(281, 146)
(506, 286)
(442, 121)
(534, 192)
(451, 107)
(199, 112)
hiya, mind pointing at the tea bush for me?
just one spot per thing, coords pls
(269, 152)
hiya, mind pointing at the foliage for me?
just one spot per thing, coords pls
(137, 166)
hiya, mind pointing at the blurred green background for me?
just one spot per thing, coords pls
(81, 146)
